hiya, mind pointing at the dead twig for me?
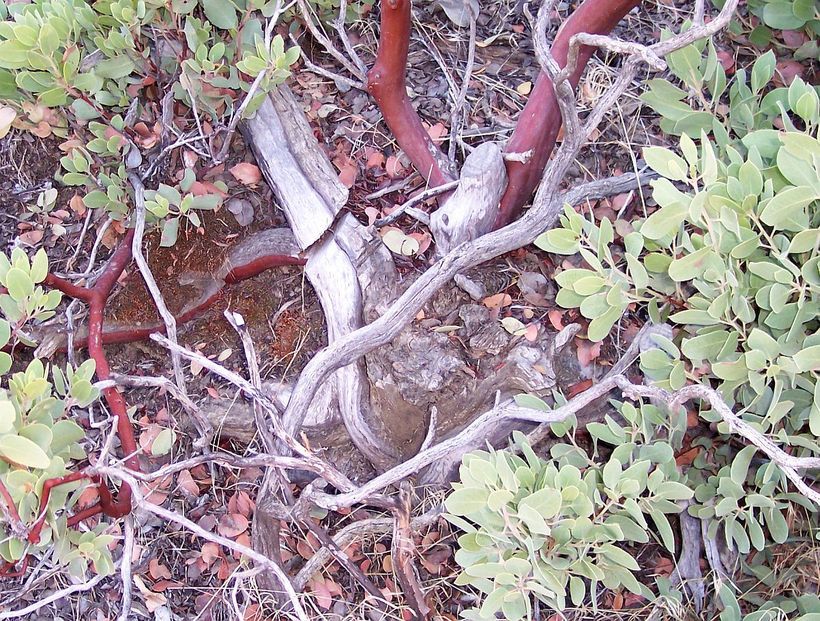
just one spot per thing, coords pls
(328, 472)
(788, 464)
(459, 113)
(403, 553)
(136, 250)
(202, 423)
(236, 116)
(339, 25)
(176, 518)
(354, 531)
(125, 568)
(407, 207)
(25, 613)
(350, 66)
(628, 48)
(279, 482)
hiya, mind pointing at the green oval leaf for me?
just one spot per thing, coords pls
(19, 284)
(667, 163)
(786, 204)
(221, 13)
(23, 451)
(163, 442)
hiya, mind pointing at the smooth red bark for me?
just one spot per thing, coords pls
(386, 82)
(537, 127)
(540, 121)
(96, 298)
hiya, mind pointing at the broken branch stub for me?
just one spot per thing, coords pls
(471, 210)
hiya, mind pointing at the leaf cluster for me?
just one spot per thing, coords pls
(38, 439)
(88, 61)
(558, 529)
(731, 256)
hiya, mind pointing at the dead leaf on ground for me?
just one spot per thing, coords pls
(324, 589)
(242, 210)
(499, 300)
(787, 71)
(437, 133)
(399, 243)
(556, 319)
(240, 502)
(534, 288)
(588, 352)
(157, 570)
(394, 167)
(232, 525)
(375, 159)
(209, 553)
(531, 332)
(152, 600)
(664, 566)
(31, 238)
(246, 173)
(201, 188)
(687, 458)
(577, 389)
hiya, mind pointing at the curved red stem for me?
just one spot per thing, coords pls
(96, 298)
(45, 495)
(237, 274)
(8, 571)
(386, 83)
(259, 265)
(540, 121)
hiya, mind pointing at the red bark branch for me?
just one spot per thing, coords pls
(45, 495)
(538, 124)
(9, 501)
(8, 571)
(119, 334)
(386, 84)
(540, 121)
(259, 265)
(96, 298)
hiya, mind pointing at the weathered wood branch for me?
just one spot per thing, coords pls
(392, 321)
(311, 196)
(472, 209)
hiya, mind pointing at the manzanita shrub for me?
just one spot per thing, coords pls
(39, 439)
(730, 255)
